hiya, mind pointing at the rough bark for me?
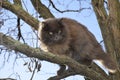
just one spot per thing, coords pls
(110, 27)
(114, 28)
(42, 9)
(21, 13)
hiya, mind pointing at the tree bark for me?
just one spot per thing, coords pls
(114, 28)
(109, 23)
(42, 9)
(21, 13)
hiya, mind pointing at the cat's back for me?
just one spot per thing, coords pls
(77, 30)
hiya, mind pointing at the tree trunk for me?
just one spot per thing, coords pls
(109, 23)
(114, 29)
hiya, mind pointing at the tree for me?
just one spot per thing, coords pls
(108, 16)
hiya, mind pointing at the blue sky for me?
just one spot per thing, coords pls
(86, 17)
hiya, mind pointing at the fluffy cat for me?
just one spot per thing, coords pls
(65, 36)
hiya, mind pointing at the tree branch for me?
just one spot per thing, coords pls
(42, 9)
(114, 23)
(21, 14)
(102, 17)
(79, 10)
(110, 27)
(63, 75)
(18, 2)
(7, 79)
(12, 44)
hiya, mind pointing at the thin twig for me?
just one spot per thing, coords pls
(62, 11)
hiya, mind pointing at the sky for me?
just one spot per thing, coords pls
(11, 65)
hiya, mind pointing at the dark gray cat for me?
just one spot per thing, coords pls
(65, 36)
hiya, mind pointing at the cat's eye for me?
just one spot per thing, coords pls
(59, 31)
(50, 33)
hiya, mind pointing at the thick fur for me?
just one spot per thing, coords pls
(74, 40)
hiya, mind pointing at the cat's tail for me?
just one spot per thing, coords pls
(108, 62)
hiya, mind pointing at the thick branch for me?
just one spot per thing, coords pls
(21, 13)
(18, 2)
(37, 53)
(110, 27)
(70, 72)
(114, 28)
(63, 75)
(114, 23)
(42, 9)
(102, 17)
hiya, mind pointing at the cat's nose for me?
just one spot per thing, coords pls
(56, 38)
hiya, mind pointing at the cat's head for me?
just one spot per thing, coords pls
(52, 32)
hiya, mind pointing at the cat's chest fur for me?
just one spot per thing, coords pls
(56, 49)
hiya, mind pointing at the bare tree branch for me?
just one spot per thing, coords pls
(110, 28)
(63, 75)
(12, 44)
(18, 2)
(98, 6)
(7, 79)
(114, 26)
(79, 10)
(42, 9)
(19, 30)
(21, 14)
(71, 72)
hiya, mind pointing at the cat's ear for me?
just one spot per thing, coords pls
(41, 25)
(45, 26)
(60, 22)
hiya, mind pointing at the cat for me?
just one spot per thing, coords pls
(64, 36)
